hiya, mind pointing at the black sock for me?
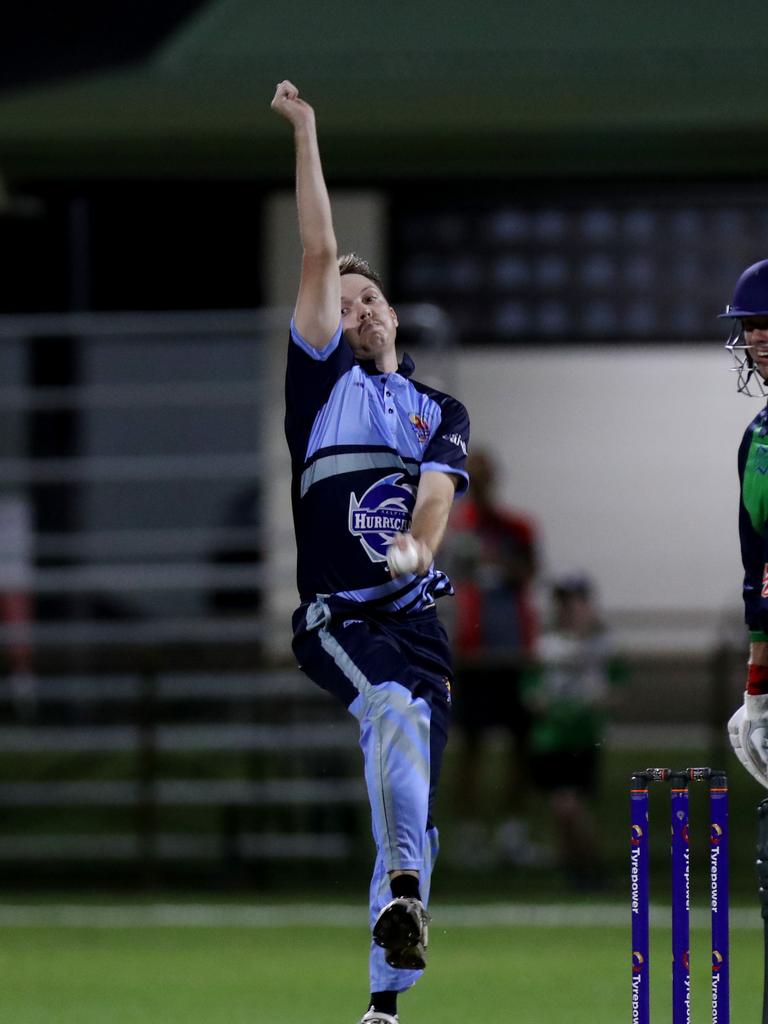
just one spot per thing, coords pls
(384, 1002)
(405, 885)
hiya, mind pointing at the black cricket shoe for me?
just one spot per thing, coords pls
(401, 928)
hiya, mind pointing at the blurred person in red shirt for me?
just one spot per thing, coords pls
(494, 561)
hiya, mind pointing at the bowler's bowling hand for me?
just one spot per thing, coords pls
(289, 105)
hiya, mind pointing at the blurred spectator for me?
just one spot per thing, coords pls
(493, 563)
(16, 600)
(568, 692)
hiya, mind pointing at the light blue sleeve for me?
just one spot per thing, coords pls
(320, 354)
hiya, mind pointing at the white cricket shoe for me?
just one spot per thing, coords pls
(401, 928)
(377, 1017)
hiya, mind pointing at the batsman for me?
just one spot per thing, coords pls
(748, 342)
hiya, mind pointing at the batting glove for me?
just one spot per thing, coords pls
(748, 733)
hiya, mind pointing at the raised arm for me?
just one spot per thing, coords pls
(318, 306)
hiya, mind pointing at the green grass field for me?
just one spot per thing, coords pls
(298, 972)
(235, 961)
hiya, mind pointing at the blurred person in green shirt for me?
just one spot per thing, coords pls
(568, 690)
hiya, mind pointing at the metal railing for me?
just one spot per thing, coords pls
(136, 725)
(256, 792)
(149, 521)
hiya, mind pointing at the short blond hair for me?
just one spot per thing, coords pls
(351, 263)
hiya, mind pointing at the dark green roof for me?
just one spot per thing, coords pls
(426, 88)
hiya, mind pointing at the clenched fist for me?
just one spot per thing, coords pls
(289, 105)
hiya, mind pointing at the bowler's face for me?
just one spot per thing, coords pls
(368, 321)
(756, 338)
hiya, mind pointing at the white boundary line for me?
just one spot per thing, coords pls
(190, 915)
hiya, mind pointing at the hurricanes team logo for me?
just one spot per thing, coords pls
(384, 510)
(421, 427)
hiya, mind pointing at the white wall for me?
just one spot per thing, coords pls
(627, 460)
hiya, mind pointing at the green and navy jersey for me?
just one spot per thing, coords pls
(753, 521)
(359, 440)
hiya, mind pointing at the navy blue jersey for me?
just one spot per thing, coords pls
(359, 440)
(753, 521)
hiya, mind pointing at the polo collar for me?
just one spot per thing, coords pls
(405, 368)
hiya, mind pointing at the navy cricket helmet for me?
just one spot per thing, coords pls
(750, 298)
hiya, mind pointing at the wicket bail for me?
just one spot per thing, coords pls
(680, 855)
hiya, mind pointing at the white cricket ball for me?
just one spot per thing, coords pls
(402, 561)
